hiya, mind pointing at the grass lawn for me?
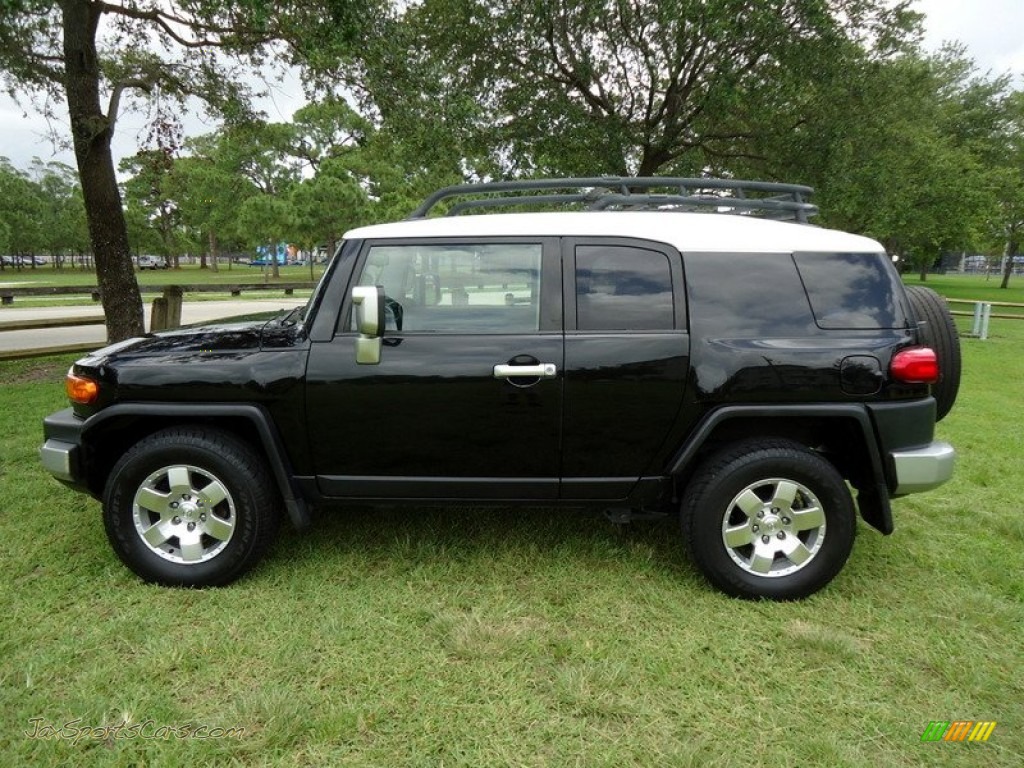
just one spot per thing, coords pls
(522, 638)
(187, 274)
(974, 288)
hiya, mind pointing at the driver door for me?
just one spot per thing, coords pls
(444, 414)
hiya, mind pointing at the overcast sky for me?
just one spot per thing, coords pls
(992, 30)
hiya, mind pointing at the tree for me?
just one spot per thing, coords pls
(21, 203)
(893, 146)
(326, 206)
(147, 197)
(606, 86)
(92, 54)
(207, 198)
(1007, 223)
(267, 220)
(62, 224)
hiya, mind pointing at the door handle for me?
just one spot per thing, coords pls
(539, 371)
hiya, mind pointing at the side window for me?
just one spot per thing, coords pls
(851, 290)
(623, 288)
(464, 288)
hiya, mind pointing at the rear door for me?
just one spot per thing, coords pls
(446, 413)
(627, 353)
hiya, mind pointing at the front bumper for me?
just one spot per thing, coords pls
(62, 449)
(60, 459)
(922, 469)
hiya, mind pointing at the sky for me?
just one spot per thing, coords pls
(990, 29)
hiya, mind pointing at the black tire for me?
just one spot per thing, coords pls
(938, 332)
(190, 507)
(791, 499)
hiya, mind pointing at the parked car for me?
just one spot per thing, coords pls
(744, 374)
(29, 261)
(152, 262)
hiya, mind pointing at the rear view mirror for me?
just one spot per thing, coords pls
(368, 302)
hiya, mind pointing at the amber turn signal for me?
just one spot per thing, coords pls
(80, 389)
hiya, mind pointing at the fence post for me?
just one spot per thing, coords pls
(986, 314)
(976, 327)
(173, 297)
(158, 316)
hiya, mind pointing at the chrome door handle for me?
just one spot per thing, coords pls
(539, 371)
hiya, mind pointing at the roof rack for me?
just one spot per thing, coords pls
(753, 198)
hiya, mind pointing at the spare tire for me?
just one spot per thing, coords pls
(938, 331)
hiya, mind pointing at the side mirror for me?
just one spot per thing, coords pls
(369, 308)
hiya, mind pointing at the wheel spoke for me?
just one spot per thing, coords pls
(152, 500)
(158, 533)
(795, 550)
(218, 528)
(750, 503)
(179, 480)
(213, 494)
(738, 536)
(806, 519)
(785, 492)
(762, 559)
(191, 547)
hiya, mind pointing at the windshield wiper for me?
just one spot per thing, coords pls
(290, 318)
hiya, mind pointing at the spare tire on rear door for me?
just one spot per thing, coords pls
(938, 331)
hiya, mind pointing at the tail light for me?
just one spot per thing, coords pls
(917, 365)
(81, 390)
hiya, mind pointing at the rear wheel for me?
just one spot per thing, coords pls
(938, 332)
(190, 507)
(768, 519)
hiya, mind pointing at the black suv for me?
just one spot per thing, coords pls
(637, 350)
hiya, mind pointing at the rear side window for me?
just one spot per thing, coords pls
(851, 290)
(623, 288)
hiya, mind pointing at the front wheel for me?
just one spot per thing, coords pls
(768, 519)
(190, 507)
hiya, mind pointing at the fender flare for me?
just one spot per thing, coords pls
(256, 415)
(873, 500)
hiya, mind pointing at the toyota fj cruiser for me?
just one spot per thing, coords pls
(637, 350)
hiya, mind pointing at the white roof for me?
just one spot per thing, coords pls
(714, 232)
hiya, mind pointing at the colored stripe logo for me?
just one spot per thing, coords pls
(958, 730)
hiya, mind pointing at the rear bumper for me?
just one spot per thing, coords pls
(922, 469)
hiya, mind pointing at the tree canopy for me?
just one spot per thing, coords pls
(91, 55)
(920, 151)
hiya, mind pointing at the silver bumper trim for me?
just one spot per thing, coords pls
(923, 468)
(58, 457)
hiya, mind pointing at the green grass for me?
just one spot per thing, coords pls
(973, 288)
(188, 274)
(521, 637)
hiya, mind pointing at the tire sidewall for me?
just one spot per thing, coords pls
(707, 511)
(939, 332)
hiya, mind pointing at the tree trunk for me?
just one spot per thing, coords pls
(213, 251)
(92, 132)
(1012, 247)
